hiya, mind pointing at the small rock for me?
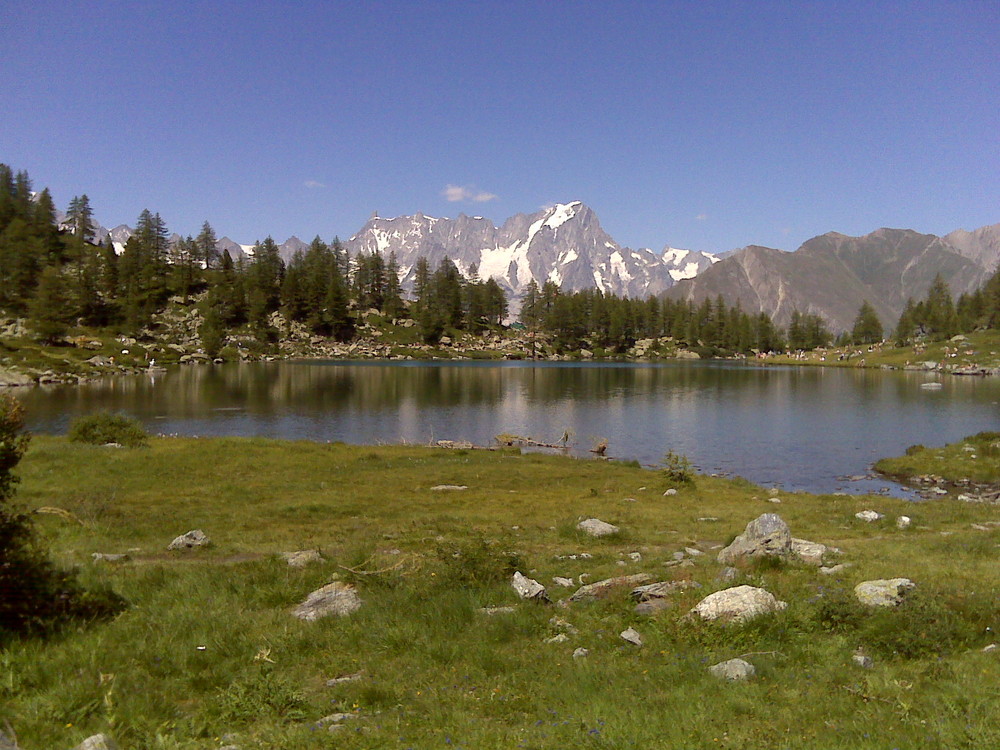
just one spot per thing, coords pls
(652, 606)
(869, 516)
(775, 500)
(564, 582)
(661, 589)
(596, 527)
(834, 569)
(989, 649)
(740, 603)
(334, 599)
(194, 538)
(97, 742)
(559, 638)
(335, 719)
(559, 623)
(693, 551)
(966, 498)
(884, 592)
(341, 680)
(601, 589)
(670, 493)
(733, 669)
(528, 588)
(862, 660)
(635, 556)
(903, 522)
(581, 653)
(301, 558)
(497, 610)
(631, 635)
(678, 555)
(808, 552)
(106, 557)
(727, 574)
(449, 487)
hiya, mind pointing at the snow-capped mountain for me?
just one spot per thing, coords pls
(564, 244)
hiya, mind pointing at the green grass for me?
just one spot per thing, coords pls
(208, 647)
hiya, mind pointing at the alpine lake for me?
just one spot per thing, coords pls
(814, 429)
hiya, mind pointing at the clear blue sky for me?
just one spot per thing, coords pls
(707, 125)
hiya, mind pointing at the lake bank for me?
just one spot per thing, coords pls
(209, 648)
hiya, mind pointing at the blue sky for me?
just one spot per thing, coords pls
(706, 125)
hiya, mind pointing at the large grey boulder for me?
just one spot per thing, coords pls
(190, 540)
(528, 588)
(884, 592)
(10, 377)
(97, 742)
(733, 669)
(334, 599)
(765, 536)
(601, 589)
(597, 527)
(737, 604)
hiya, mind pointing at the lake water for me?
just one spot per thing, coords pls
(798, 428)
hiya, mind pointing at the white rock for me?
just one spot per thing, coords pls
(560, 638)
(193, 538)
(334, 599)
(733, 669)
(808, 552)
(596, 527)
(670, 493)
(869, 516)
(301, 558)
(564, 582)
(834, 569)
(739, 603)
(635, 556)
(528, 588)
(581, 653)
(884, 592)
(97, 742)
(631, 635)
(903, 522)
(449, 487)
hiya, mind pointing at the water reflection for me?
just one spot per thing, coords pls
(800, 428)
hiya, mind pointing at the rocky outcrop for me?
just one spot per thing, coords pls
(733, 669)
(884, 592)
(765, 536)
(336, 599)
(528, 588)
(596, 527)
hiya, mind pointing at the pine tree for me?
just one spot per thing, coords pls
(207, 252)
(50, 311)
(867, 327)
(392, 304)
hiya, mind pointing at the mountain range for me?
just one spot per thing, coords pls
(830, 275)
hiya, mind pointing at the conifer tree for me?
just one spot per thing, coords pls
(867, 327)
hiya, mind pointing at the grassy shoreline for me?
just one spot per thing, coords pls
(208, 647)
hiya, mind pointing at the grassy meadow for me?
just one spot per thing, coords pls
(208, 655)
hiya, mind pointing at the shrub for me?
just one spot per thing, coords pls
(263, 694)
(915, 449)
(677, 468)
(103, 428)
(923, 625)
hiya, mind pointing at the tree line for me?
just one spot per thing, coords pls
(59, 276)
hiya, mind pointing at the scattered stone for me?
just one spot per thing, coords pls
(862, 660)
(661, 589)
(678, 555)
(559, 623)
(190, 540)
(600, 589)
(564, 582)
(775, 500)
(559, 638)
(97, 742)
(693, 551)
(302, 558)
(709, 519)
(884, 592)
(740, 603)
(652, 606)
(966, 498)
(497, 610)
(811, 553)
(991, 648)
(670, 493)
(337, 598)
(596, 527)
(581, 653)
(106, 557)
(635, 556)
(869, 516)
(528, 588)
(733, 669)
(345, 678)
(765, 536)
(449, 487)
(834, 569)
(727, 574)
(903, 522)
(631, 635)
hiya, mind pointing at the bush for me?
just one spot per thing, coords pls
(103, 428)
(915, 449)
(677, 468)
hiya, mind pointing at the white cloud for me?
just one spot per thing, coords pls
(313, 184)
(463, 193)
(701, 217)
